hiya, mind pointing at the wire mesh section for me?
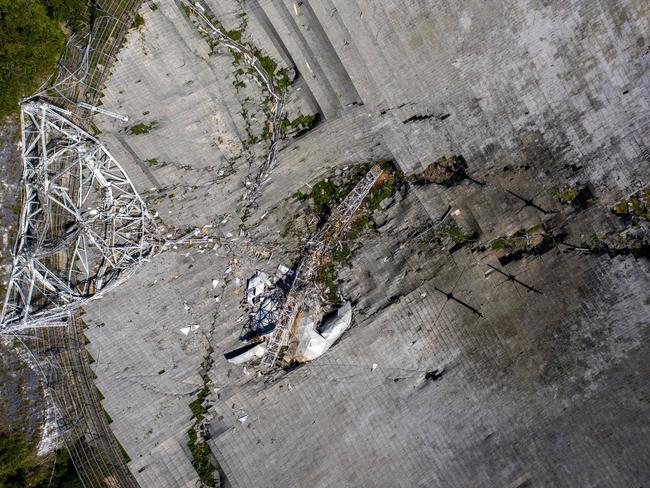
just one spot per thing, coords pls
(87, 60)
(82, 422)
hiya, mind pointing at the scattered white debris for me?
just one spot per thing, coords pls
(386, 202)
(374, 366)
(246, 355)
(229, 235)
(256, 286)
(456, 212)
(282, 272)
(215, 283)
(423, 294)
(243, 419)
(185, 330)
(50, 436)
(217, 299)
(246, 372)
(186, 306)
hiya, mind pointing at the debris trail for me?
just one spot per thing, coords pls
(263, 175)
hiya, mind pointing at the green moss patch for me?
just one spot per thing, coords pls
(198, 446)
(566, 194)
(327, 277)
(498, 244)
(201, 458)
(451, 230)
(142, 128)
(138, 21)
(235, 35)
(301, 124)
(637, 206)
(530, 241)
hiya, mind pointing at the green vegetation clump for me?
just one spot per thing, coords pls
(30, 44)
(341, 252)
(325, 196)
(302, 123)
(201, 458)
(566, 194)
(127, 458)
(235, 35)
(186, 9)
(267, 63)
(69, 11)
(384, 190)
(535, 240)
(498, 244)
(450, 229)
(361, 223)
(282, 79)
(198, 446)
(153, 161)
(197, 406)
(300, 196)
(636, 206)
(327, 277)
(20, 467)
(142, 128)
(138, 21)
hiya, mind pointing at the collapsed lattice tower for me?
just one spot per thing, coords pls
(83, 227)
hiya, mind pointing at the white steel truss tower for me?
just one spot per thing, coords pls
(83, 227)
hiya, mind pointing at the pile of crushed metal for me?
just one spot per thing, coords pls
(313, 332)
